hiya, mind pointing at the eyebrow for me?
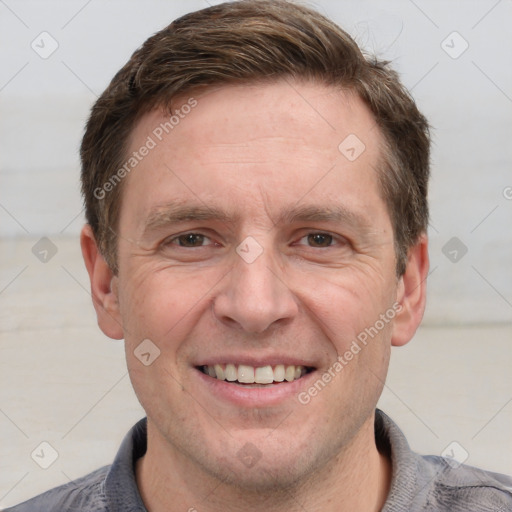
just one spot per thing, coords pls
(174, 213)
(314, 213)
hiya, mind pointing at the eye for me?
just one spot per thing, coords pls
(318, 240)
(190, 240)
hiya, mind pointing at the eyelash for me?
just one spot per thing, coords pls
(334, 239)
(321, 233)
(177, 237)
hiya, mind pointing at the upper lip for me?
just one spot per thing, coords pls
(256, 362)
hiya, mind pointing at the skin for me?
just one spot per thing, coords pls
(255, 153)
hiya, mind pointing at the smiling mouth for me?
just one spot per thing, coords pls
(263, 375)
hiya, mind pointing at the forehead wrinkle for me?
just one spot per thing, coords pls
(260, 150)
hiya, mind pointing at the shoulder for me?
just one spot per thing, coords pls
(457, 487)
(108, 489)
(87, 494)
(433, 483)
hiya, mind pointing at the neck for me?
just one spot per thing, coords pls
(358, 479)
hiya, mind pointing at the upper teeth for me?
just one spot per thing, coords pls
(251, 375)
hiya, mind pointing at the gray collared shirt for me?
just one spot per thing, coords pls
(419, 483)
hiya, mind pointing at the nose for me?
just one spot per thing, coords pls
(254, 296)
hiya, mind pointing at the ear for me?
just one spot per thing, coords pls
(103, 286)
(411, 293)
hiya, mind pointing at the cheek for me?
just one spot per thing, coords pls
(345, 302)
(163, 304)
(348, 308)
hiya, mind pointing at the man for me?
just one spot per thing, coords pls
(255, 193)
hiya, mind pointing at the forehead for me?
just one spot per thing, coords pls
(256, 147)
(317, 115)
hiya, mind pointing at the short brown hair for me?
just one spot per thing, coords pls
(243, 42)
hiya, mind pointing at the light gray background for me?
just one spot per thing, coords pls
(65, 383)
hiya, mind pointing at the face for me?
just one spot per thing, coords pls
(251, 247)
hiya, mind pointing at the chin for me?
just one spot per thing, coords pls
(263, 461)
(266, 476)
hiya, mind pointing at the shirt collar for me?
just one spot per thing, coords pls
(123, 495)
(121, 488)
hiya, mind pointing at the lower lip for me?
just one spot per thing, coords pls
(266, 395)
